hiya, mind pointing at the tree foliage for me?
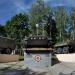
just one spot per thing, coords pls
(2, 31)
(38, 9)
(50, 26)
(22, 25)
(73, 22)
(61, 17)
(17, 27)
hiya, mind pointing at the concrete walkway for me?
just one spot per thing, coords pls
(19, 68)
(65, 67)
(66, 57)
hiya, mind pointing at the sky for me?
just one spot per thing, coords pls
(9, 8)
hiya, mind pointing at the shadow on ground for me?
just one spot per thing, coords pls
(54, 60)
(26, 71)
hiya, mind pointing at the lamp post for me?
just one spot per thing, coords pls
(37, 25)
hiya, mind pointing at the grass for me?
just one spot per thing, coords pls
(21, 58)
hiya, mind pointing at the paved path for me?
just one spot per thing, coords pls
(66, 57)
(66, 67)
(18, 68)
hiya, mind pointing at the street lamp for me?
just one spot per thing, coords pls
(37, 25)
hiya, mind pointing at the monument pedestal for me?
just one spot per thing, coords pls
(37, 61)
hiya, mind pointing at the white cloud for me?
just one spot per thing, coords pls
(46, 0)
(20, 6)
(71, 2)
(60, 4)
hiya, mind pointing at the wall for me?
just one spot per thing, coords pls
(8, 58)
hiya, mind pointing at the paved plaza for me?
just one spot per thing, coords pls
(19, 68)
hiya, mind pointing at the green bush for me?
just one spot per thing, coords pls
(21, 58)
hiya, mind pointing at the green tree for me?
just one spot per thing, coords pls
(73, 22)
(50, 26)
(68, 29)
(17, 28)
(61, 17)
(37, 11)
(2, 31)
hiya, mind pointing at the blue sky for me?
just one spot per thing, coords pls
(9, 8)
